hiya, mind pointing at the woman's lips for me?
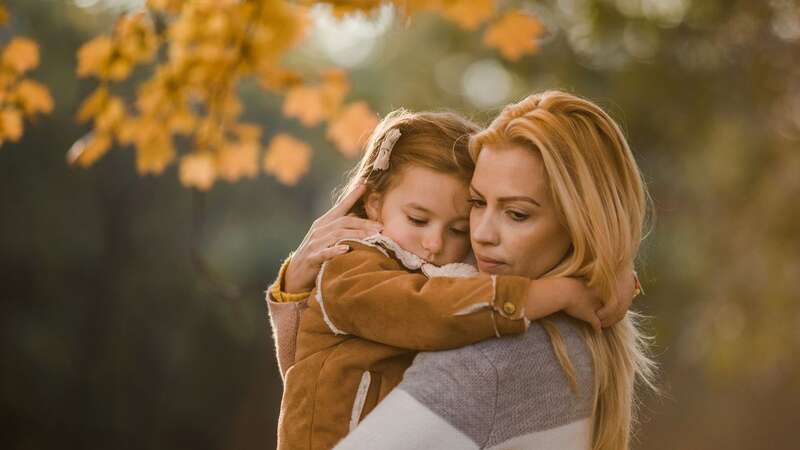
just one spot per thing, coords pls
(486, 263)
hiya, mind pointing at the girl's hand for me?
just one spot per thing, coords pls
(317, 246)
(627, 288)
(571, 295)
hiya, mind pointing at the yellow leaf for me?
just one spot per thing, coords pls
(468, 13)
(334, 88)
(197, 171)
(3, 15)
(111, 115)
(155, 153)
(93, 104)
(10, 124)
(21, 54)
(88, 149)
(182, 122)
(304, 103)
(514, 34)
(312, 104)
(248, 132)
(238, 159)
(34, 97)
(287, 158)
(351, 128)
(94, 57)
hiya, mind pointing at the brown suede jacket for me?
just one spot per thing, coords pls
(373, 309)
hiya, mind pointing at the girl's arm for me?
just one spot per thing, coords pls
(284, 317)
(370, 295)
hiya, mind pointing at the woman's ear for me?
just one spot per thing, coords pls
(372, 206)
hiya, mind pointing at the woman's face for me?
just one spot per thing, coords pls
(514, 228)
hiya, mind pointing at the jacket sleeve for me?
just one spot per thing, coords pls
(370, 295)
(284, 318)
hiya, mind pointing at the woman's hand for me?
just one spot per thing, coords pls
(318, 245)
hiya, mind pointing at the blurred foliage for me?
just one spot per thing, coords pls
(205, 50)
(112, 340)
(19, 97)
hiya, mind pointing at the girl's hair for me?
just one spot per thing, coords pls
(602, 202)
(436, 140)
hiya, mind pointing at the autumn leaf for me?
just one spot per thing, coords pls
(351, 127)
(305, 104)
(287, 158)
(3, 15)
(88, 149)
(468, 13)
(237, 160)
(111, 115)
(514, 34)
(34, 97)
(10, 125)
(21, 54)
(197, 171)
(154, 153)
(94, 57)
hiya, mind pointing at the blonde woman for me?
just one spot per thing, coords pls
(556, 192)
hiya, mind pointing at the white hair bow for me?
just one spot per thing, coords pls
(385, 152)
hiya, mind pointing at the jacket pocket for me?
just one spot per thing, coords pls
(360, 400)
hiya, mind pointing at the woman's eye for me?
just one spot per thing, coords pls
(516, 215)
(417, 222)
(476, 203)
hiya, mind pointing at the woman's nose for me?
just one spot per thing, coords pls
(483, 229)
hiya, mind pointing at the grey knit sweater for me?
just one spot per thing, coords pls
(502, 393)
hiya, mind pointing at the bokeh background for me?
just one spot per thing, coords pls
(132, 307)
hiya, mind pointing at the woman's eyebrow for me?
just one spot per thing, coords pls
(517, 198)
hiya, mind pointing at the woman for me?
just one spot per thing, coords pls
(556, 192)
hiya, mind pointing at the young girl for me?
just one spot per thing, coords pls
(404, 290)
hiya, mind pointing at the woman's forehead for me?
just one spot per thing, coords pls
(509, 169)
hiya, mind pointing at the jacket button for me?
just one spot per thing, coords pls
(509, 308)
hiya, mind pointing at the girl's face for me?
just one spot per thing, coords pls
(513, 223)
(426, 212)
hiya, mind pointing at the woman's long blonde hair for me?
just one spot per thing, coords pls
(602, 201)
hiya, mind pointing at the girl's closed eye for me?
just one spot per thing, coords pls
(416, 221)
(459, 231)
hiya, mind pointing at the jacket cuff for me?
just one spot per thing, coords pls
(276, 292)
(508, 304)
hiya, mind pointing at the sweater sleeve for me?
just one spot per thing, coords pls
(369, 294)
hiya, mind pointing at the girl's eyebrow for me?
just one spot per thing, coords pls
(418, 207)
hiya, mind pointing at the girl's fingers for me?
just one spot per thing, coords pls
(340, 209)
(328, 253)
(356, 223)
(338, 235)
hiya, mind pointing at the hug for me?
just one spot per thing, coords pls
(470, 289)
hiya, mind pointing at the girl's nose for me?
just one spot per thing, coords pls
(432, 243)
